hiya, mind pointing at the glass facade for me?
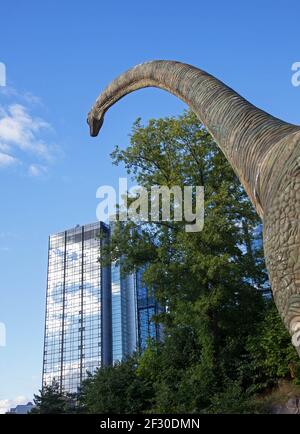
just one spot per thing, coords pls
(116, 301)
(146, 307)
(77, 297)
(124, 315)
(94, 315)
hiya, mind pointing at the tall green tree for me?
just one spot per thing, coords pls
(223, 340)
(116, 389)
(51, 400)
(210, 282)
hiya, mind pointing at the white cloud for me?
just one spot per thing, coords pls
(32, 99)
(6, 404)
(28, 97)
(36, 170)
(4, 147)
(25, 136)
(19, 129)
(7, 160)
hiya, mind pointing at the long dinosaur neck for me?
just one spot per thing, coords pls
(244, 133)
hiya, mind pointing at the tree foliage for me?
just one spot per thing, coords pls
(116, 389)
(223, 339)
(51, 400)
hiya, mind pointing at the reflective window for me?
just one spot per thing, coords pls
(73, 309)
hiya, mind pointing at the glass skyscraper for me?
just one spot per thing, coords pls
(78, 302)
(94, 315)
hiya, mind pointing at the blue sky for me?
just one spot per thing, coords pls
(59, 55)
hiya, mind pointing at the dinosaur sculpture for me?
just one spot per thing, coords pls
(264, 152)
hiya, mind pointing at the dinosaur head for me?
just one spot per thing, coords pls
(95, 123)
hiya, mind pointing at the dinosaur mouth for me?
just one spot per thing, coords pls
(94, 124)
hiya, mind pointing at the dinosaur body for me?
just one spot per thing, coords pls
(264, 152)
